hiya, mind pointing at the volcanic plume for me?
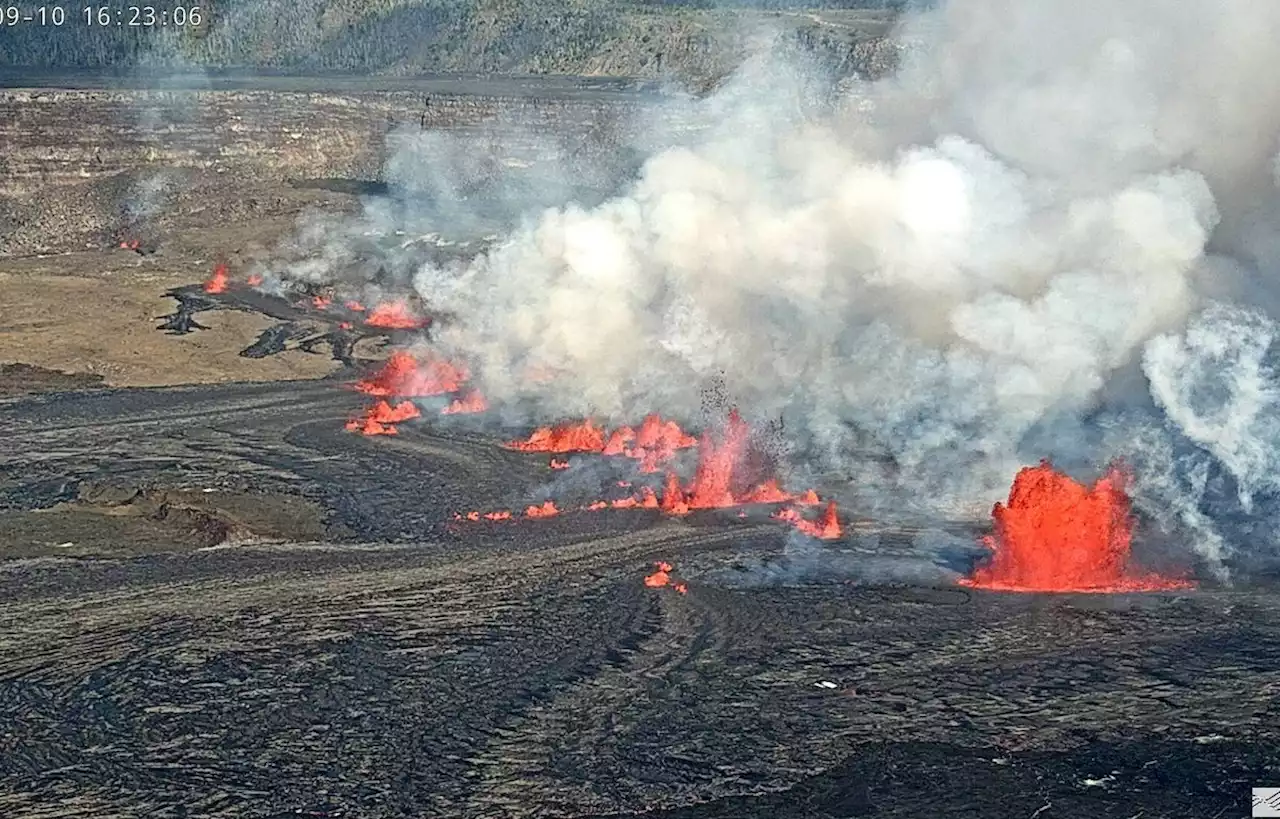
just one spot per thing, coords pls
(405, 375)
(1057, 535)
(1007, 248)
(217, 283)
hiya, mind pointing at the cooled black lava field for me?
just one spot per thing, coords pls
(404, 664)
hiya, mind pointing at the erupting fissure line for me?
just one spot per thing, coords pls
(1057, 535)
(729, 472)
(653, 444)
(404, 375)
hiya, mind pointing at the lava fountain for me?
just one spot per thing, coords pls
(1057, 535)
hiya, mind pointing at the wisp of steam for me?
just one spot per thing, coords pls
(1052, 233)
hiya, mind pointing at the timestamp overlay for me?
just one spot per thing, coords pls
(106, 16)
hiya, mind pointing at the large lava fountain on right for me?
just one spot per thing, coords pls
(1057, 535)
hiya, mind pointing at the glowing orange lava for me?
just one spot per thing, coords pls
(673, 499)
(662, 577)
(769, 492)
(501, 514)
(132, 244)
(405, 375)
(653, 444)
(546, 510)
(574, 437)
(471, 401)
(718, 458)
(217, 283)
(395, 315)
(825, 528)
(647, 499)
(556, 463)
(354, 306)
(254, 280)
(659, 578)
(321, 302)
(1057, 535)
(380, 418)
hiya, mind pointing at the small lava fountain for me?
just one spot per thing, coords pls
(217, 283)
(1057, 535)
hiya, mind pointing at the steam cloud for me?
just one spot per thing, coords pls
(1052, 233)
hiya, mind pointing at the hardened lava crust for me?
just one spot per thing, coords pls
(360, 653)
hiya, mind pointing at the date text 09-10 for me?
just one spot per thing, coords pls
(104, 16)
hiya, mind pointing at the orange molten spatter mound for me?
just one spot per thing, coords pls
(394, 315)
(1057, 535)
(217, 283)
(380, 418)
(405, 375)
(584, 436)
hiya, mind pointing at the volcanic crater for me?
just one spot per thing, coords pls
(357, 593)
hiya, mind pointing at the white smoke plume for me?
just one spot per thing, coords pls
(1030, 229)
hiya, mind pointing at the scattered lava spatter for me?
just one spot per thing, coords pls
(395, 315)
(380, 418)
(405, 375)
(217, 283)
(254, 280)
(662, 578)
(826, 527)
(1057, 535)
